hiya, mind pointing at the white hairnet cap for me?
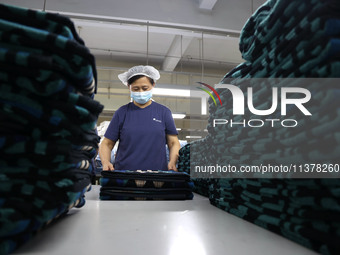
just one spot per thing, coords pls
(148, 71)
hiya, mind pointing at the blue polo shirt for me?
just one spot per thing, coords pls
(142, 136)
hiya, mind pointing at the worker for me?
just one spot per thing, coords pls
(143, 128)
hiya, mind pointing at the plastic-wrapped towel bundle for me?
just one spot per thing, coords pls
(145, 185)
(48, 119)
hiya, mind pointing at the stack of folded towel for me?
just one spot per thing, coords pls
(48, 120)
(284, 44)
(201, 185)
(145, 185)
(303, 210)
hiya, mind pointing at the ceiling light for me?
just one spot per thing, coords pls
(193, 136)
(178, 129)
(171, 92)
(178, 115)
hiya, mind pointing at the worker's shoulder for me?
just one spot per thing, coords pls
(160, 106)
(123, 108)
(121, 111)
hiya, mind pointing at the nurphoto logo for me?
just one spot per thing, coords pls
(239, 100)
(208, 92)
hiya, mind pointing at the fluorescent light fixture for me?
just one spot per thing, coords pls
(171, 92)
(178, 129)
(178, 115)
(193, 136)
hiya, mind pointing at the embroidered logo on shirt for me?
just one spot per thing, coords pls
(157, 120)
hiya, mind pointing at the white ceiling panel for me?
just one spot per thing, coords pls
(226, 14)
(131, 30)
(214, 50)
(122, 33)
(207, 4)
(33, 4)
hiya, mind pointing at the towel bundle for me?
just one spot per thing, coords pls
(256, 140)
(145, 185)
(201, 185)
(291, 39)
(285, 44)
(305, 210)
(48, 119)
(184, 159)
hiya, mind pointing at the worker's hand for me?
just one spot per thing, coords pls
(172, 166)
(108, 167)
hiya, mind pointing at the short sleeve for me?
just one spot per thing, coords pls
(170, 127)
(113, 130)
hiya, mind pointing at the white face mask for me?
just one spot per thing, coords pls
(141, 97)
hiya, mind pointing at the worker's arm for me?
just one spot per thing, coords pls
(174, 147)
(105, 149)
